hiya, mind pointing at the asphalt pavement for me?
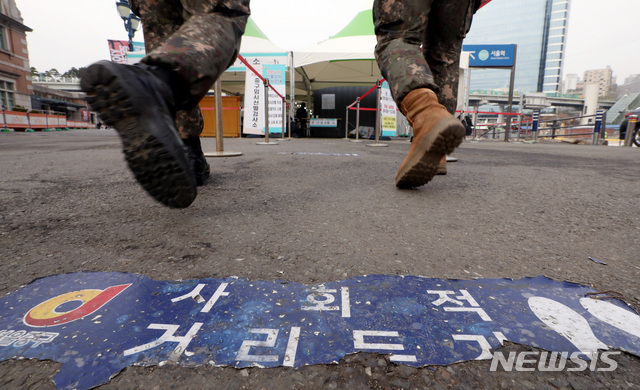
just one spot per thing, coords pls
(315, 211)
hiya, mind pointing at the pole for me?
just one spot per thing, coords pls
(510, 104)
(346, 123)
(475, 122)
(284, 116)
(292, 93)
(266, 116)
(219, 125)
(217, 89)
(308, 129)
(520, 116)
(534, 126)
(358, 120)
(266, 111)
(127, 26)
(631, 128)
(378, 119)
(378, 116)
(596, 128)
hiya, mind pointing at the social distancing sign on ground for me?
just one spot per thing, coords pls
(108, 321)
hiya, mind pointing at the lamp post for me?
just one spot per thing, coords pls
(131, 21)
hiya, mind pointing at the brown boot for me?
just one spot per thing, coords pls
(442, 167)
(436, 133)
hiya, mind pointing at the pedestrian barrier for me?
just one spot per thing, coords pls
(268, 86)
(536, 127)
(631, 129)
(566, 128)
(32, 120)
(357, 109)
(497, 130)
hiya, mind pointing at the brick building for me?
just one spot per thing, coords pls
(15, 75)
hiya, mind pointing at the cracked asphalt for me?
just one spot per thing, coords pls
(321, 210)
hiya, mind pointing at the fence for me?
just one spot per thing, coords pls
(535, 127)
(30, 121)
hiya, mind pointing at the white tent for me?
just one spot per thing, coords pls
(344, 59)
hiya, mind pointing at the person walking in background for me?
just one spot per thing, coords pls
(418, 52)
(302, 116)
(154, 104)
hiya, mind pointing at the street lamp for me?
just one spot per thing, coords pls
(131, 21)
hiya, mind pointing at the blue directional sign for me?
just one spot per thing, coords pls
(96, 324)
(489, 56)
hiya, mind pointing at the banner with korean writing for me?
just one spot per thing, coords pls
(253, 104)
(388, 110)
(119, 51)
(277, 76)
(108, 321)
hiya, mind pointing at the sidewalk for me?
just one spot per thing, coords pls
(316, 211)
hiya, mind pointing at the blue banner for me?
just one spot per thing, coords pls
(108, 321)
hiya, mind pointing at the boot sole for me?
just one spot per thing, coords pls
(153, 156)
(423, 164)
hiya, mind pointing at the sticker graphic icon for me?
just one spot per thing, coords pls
(52, 312)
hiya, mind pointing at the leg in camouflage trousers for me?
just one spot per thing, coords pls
(214, 31)
(191, 43)
(418, 52)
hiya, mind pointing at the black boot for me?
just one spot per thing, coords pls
(199, 164)
(139, 103)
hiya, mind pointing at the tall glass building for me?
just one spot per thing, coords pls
(538, 27)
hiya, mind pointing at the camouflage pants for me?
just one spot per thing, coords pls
(419, 45)
(196, 39)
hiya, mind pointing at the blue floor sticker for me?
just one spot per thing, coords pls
(96, 324)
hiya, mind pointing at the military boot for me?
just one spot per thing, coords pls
(436, 133)
(138, 102)
(199, 164)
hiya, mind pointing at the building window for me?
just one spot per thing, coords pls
(3, 39)
(7, 94)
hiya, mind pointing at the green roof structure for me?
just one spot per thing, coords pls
(362, 24)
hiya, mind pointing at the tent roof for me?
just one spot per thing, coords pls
(346, 58)
(255, 41)
(356, 41)
(362, 24)
(252, 30)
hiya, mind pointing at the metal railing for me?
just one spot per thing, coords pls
(555, 128)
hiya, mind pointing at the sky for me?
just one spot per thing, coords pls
(74, 33)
